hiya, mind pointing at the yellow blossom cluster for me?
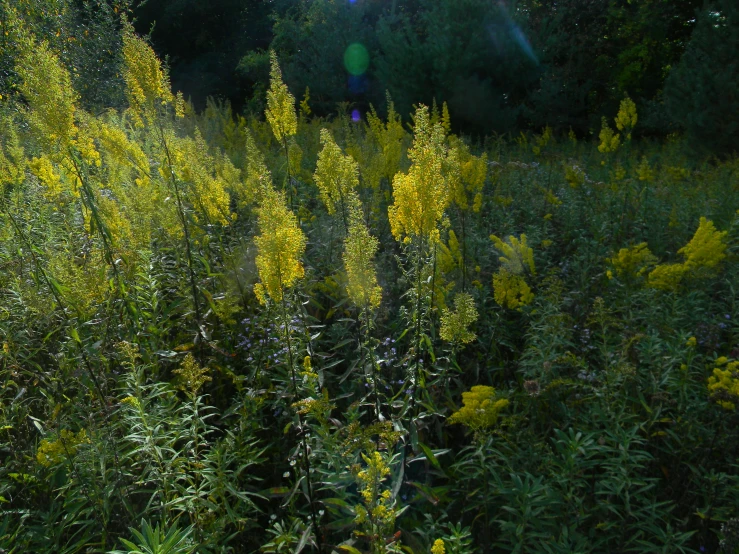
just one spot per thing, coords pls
(449, 256)
(511, 291)
(634, 261)
(192, 377)
(644, 172)
(12, 155)
(609, 140)
(50, 453)
(707, 248)
(121, 153)
(280, 103)
(388, 138)
(626, 118)
(258, 176)
(455, 324)
(280, 245)
(724, 383)
(472, 172)
(509, 286)
(378, 508)
(336, 175)
(47, 87)
(540, 141)
(516, 255)
(360, 248)
(48, 176)
(147, 84)
(320, 407)
(421, 195)
(438, 547)
(574, 175)
(703, 254)
(196, 167)
(480, 410)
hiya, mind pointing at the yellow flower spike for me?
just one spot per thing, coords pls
(280, 112)
(378, 504)
(626, 118)
(192, 376)
(707, 248)
(147, 83)
(480, 410)
(51, 453)
(258, 176)
(280, 245)
(47, 87)
(438, 547)
(421, 195)
(388, 137)
(516, 255)
(609, 140)
(194, 165)
(633, 261)
(446, 120)
(455, 324)
(511, 290)
(644, 172)
(705, 251)
(360, 248)
(723, 385)
(666, 277)
(336, 175)
(305, 110)
(48, 176)
(691, 342)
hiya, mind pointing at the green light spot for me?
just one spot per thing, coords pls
(356, 59)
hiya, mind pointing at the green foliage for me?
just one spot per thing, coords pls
(153, 540)
(697, 91)
(151, 401)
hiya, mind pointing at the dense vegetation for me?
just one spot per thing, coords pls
(364, 333)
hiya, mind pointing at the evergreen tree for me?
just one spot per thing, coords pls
(701, 92)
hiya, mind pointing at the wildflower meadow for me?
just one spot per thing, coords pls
(358, 333)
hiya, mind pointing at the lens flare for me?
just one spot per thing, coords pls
(356, 59)
(356, 116)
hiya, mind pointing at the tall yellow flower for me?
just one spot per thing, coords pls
(388, 137)
(626, 117)
(472, 174)
(509, 286)
(258, 176)
(280, 103)
(707, 248)
(47, 87)
(360, 248)
(147, 84)
(703, 254)
(12, 156)
(609, 140)
(337, 175)
(455, 324)
(194, 165)
(280, 244)
(634, 261)
(511, 290)
(516, 255)
(422, 194)
(724, 384)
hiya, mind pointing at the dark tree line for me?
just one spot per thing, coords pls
(501, 65)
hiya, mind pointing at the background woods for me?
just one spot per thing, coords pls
(471, 286)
